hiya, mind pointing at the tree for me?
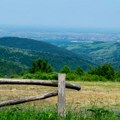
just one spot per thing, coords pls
(79, 71)
(106, 70)
(65, 69)
(41, 65)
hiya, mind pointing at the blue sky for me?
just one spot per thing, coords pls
(103, 14)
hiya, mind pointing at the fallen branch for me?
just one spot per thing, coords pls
(28, 99)
(53, 83)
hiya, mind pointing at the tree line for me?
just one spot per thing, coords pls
(41, 69)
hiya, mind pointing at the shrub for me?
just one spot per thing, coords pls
(14, 76)
(42, 66)
(72, 76)
(106, 70)
(27, 76)
(89, 77)
(1, 76)
(43, 76)
(79, 71)
(65, 69)
(46, 76)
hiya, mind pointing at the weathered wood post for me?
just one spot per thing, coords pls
(61, 95)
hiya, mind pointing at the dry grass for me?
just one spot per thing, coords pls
(92, 93)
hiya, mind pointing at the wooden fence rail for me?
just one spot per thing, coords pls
(53, 83)
(61, 84)
(28, 99)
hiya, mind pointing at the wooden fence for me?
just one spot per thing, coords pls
(61, 84)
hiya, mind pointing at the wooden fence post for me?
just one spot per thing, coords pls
(61, 95)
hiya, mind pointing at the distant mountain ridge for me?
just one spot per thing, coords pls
(23, 51)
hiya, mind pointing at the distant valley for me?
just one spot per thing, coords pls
(22, 51)
(99, 52)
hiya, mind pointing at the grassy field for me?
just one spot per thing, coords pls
(95, 101)
(106, 94)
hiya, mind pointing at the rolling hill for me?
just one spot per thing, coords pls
(8, 68)
(98, 52)
(22, 51)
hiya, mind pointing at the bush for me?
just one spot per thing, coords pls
(117, 74)
(117, 79)
(14, 76)
(79, 71)
(42, 66)
(43, 76)
(106, 70)
(65, 69)
(1, 76)
(72, 76)
(46, 76)
(89, 77)
(28, 76)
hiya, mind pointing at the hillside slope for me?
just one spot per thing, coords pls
(8, 68)
(99, 52)
(23, 51)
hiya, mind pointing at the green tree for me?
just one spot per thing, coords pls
(66, 69)
(108, 71)
(79, 71)
(105, 70)
(41, 65)
(117, 74)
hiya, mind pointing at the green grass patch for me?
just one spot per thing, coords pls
(50, 113)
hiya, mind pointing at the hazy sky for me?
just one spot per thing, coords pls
(61, 13)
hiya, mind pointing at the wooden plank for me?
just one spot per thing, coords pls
(61, 95)
(28, 99)
(53, 83)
